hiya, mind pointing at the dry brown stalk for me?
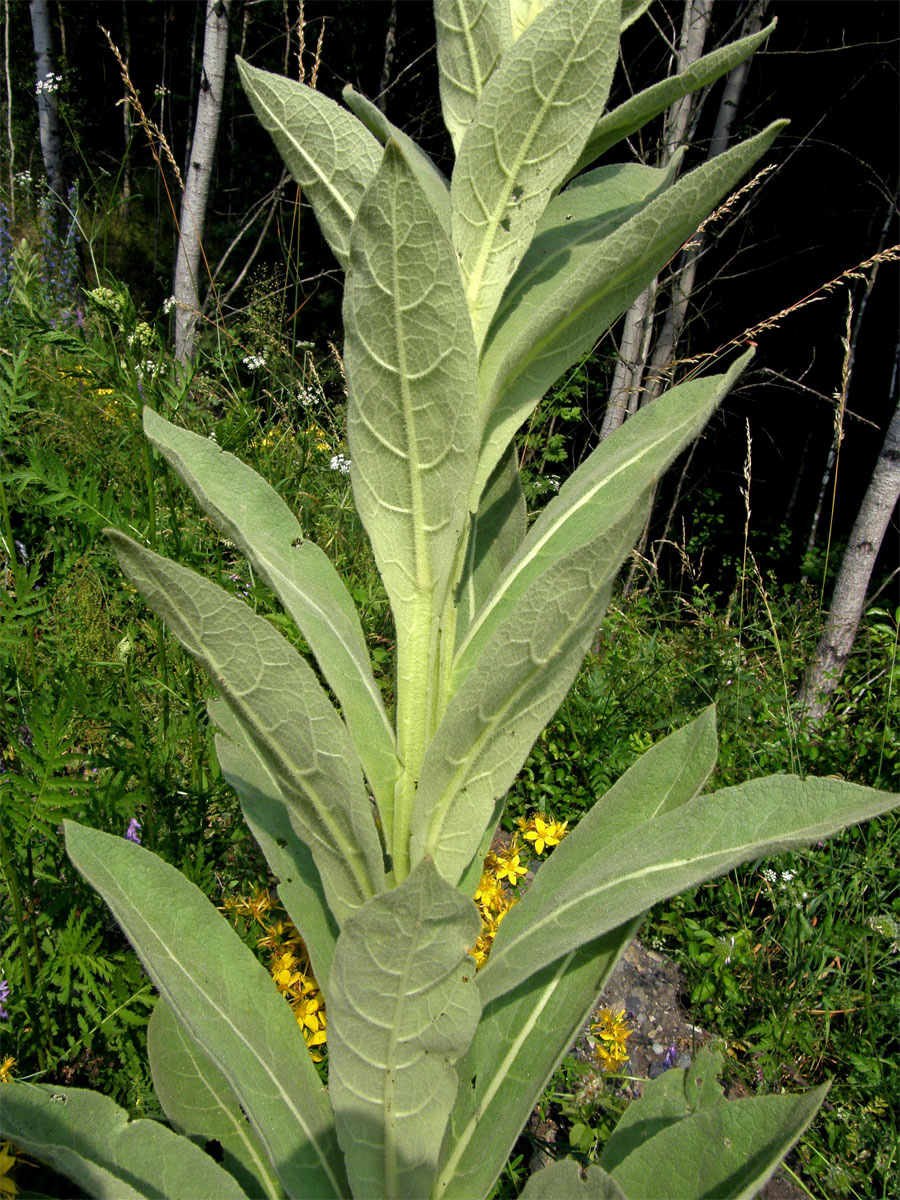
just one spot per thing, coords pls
(155, 135)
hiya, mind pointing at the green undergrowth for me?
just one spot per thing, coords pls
(792, 962)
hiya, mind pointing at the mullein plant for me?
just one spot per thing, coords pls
(465, 300)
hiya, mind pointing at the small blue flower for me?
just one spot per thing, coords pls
(669, 1058)
(134, 831)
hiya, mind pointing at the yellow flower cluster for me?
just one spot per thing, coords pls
(289, 964)
(612, 1034)
(503, 870)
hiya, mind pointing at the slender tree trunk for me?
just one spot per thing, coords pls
(637, 332)
(9, 123)
(47, 102)
(849, 597)
(197, 178)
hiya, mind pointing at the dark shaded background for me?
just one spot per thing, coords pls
(830, 67)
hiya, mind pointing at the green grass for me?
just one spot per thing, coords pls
(792, 962)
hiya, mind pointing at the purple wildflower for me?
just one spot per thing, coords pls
(134, 831)
(669, 1058)
(23, 553)
(4, 995)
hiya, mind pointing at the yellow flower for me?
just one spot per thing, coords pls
(507, 866)
(6, 1069)
(310, 1014)
(10, 1157)
(613, 1033)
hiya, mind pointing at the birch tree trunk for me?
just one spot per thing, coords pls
(637, 332)
(685, 276)
(48, 105)
(186, 289)
(856, 570)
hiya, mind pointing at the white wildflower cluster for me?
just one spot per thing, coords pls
(785, 883)
(254, 362)
(168, 304)
(308, 396)
(303, 345)
(50, 83)
(340, 463)
(150, 369)
(22, 179)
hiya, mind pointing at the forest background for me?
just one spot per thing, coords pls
(726, 602)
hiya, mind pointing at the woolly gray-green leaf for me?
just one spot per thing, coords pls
(617, 125)
(89, 1139)
(529, 127)
(567, 1179)
(227, 1001)
(680, 848)
(269, 817)
(200, 1102)
(521, 653)
(472, 36)
(728, 1151)
(329, 153)
(251, 514)
(432, 182)
(571, 288)
(410, 360)
(665, 1101)
(496, 531)
(520, 1041)
(283, 707)
(402, 1008)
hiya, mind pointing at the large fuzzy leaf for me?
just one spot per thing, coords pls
(329, 153)
(411, 363)
(200, 1102)
(252, 514)
(433, 183)
(89, 1139)
(617, 125)
(269, 816)
(284, 709)
(472, 36)
(522, 651)
(521, 1039)
(529, 127)
(728, 1151)
(412, 432)
(226, 999)
(624, 875)
(571, 288)
(571, 1180)
(496, 532)
(402, 1008)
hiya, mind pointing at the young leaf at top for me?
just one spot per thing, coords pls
(573, 285)
(402, 1008)
(412, 433)
(226, 1000)
(433, 183)
(89, 1139)
(472, 36)
(329, 153)
(613, 127)
(528, 128)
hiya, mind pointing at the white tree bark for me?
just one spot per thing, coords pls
(849, 597)
(47, 102)
(637, 333)
(685, 276)
(186, 289)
